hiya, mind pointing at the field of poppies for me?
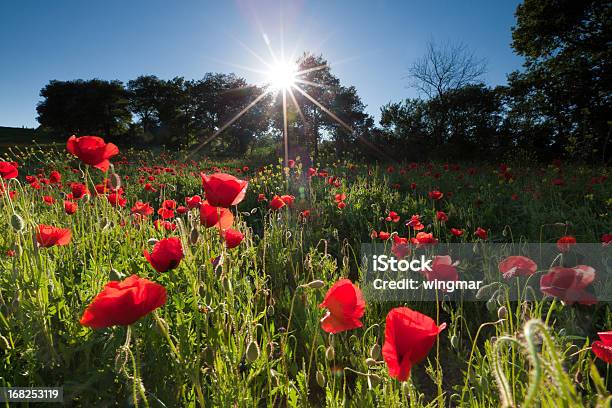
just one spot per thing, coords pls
(137, 279)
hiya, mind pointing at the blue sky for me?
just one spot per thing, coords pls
(369, 44)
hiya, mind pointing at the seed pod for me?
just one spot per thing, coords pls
(373, 380)
(330, 353)
(115, 275)
(320, 379)
(252, 351)
(502, 312)
(315, 284)
(17, 222)
(152, 241)
(194, 235)
(375, 352)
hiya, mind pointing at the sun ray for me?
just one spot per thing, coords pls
(297, 105)
(323, 108)
(229, 123)
(306, 82)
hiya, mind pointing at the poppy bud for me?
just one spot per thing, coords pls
(5, 345)
(270, 311)
(115, 181)
(17, 222)
(374, 380)
(330, 353)
(454, 340)
(406, 388)
(227, 285)
(115, 275)
(315, 284)
(370, 362)
(320, 379)
(491, 305)
(502, 312)
(194, 235)
(375, 351)
(252, 351)
(152, 241)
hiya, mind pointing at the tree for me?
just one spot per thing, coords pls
(567, 72)
(445, 67)
(84, 107)
(144, 93)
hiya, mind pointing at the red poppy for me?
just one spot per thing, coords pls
(166, 255)
(116, 199)
(424, 238)
(409, 336)
(78, 190)
(442, 269)
(517, 266)
(606, 239)
(481, 233)
(48, 200)
(8, 170)
(223, 190)
(123, 303)
(345, 306)
(55, 177)
(92, 150)
(415, 223)
(142, 209)
(456, 232)
(288, 199)
(48, 236)
(441, 216)
(70, 207)
(400, 247)
(569, 284)
(219, 217)
(277, 203)
(392, 217)
(232, 238)
(193, 202)
(602, 348)
(261, 197)
(181, 209)
(291, 163)
(565, 243)
(383, 235)
(165, 213)
(167, 225)
(340, 197)
(435, 195)
(341, 205)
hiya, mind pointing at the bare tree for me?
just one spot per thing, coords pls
(445, 67)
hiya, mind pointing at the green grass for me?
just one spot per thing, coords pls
(194, 348)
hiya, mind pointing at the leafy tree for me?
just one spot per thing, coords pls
(84, 107)
(567, 72)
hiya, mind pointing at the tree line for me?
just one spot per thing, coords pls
(557, 105)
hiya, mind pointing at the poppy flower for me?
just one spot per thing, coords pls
(92, 150)
(409, 336)
(606, 239)
(441, 216)
(165, 213)
(193, 202)
(116, 199)
(78, 190)
(383, 235)
(456, 232)
(167, 225)
(424, 238)
(261, 197)
(181, 209)
(569, 284)
(48, 236)
(415, 223)
(565, 243)
(341, 205)
(436, 195)
(55, 177)
(166, 255)
(223, 190)
(481, 233)
(517, 266)
(392, 217)
(232, 238)
(602, 348)
(219, 217)
(277, 203)
(345, 306)
(8, 170)
(339, 197)
(291, 163)
(70, 207)
(122, 303)
(442, 269)
(288, 199)
(142, 209)
(400, 247)
(48, 200)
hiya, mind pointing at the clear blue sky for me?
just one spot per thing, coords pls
(369, 44)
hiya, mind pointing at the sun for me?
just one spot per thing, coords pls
(282, 75)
